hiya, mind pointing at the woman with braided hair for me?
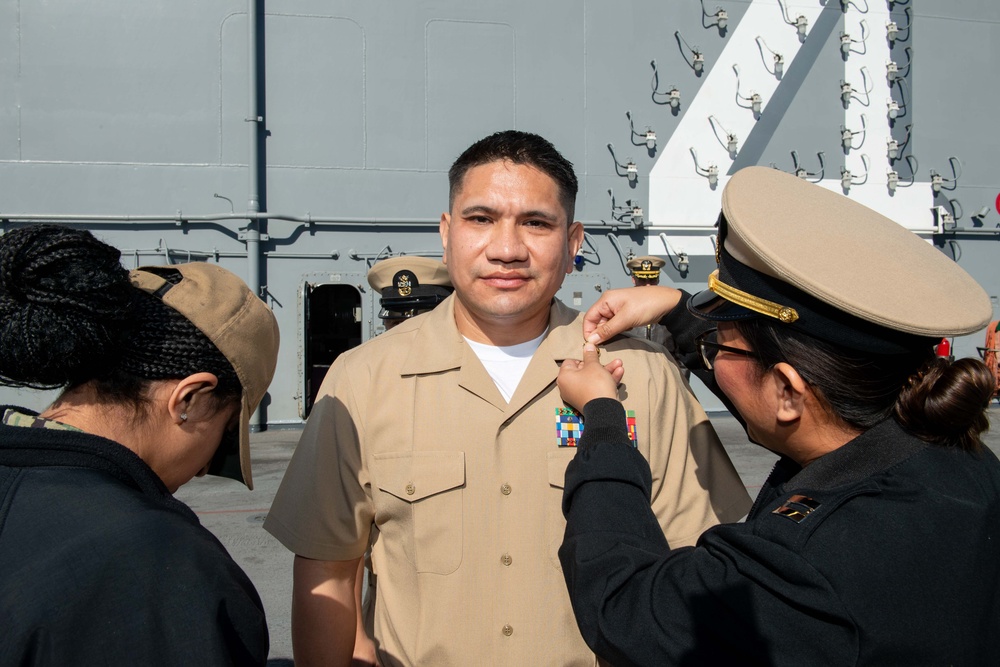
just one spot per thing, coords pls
(876, 538)
(160, 369)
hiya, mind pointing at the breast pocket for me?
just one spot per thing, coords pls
(420, 503)
(555, 523)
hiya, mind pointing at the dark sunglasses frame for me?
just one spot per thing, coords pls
(703, 345)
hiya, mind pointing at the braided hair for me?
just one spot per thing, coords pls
(69, 315)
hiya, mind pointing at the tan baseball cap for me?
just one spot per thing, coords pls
(823, 263)
(240, 325)
(646, 267)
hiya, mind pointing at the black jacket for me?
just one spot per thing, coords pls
(883, 552)
(101, 565)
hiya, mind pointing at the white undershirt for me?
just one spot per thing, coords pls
(506, 364)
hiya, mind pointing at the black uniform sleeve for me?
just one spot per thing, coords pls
(685, 328)
(736, 598)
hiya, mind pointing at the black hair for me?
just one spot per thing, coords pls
(936, 400)
(520, 148)
(69, 315)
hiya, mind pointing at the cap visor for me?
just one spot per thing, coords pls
(708, 305)
(245, 413)
(232, 458)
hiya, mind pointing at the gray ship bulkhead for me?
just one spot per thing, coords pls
(297, 143)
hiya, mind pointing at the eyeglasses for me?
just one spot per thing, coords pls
(709, 349)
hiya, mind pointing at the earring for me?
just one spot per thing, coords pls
(184, 416)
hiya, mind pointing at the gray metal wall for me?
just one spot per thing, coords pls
(132, 119)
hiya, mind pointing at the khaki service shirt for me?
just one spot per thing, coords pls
(410, 435)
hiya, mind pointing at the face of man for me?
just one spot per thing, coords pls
(508, 245)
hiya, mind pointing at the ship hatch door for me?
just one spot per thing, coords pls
(332, 325)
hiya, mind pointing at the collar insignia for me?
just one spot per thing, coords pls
(797, 508)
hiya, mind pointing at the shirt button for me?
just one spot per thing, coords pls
(505, 489)
(410, 489)
(506, 559)
(508, 630)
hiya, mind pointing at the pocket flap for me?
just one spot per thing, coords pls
(411, 476)
(558, 460)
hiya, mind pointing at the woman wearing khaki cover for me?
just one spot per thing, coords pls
(876, 539)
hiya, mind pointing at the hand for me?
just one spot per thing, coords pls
(622, 309)
(582, 381)
(364, 652)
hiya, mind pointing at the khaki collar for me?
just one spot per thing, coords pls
(439, 346)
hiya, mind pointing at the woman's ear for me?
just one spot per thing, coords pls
(790, 393)
(188, 400)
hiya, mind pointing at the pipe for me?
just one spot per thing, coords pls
(308, 218)
(180, 218)
(253, 116)
(254, 121)
(613, 240)
(333, 254)
(960, 231)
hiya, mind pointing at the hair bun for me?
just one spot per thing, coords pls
(64, 306)
(945, 403)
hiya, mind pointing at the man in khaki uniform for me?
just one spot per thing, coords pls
(408, 285)
(447, 436)
(646, 271)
